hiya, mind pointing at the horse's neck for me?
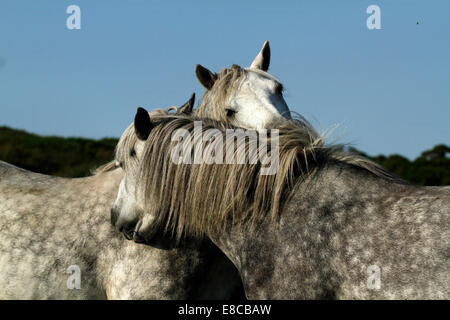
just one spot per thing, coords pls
(288, 258)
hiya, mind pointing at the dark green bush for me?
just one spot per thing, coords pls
(65, 157)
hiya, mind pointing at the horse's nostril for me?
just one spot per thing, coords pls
(128, 234)
(128, 229)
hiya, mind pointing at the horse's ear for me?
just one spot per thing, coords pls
(206, 77)
(142, 124)
(188, 106)
(262, 60)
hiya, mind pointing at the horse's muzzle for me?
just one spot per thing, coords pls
(125, 227)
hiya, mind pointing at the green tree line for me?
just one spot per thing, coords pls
(64, 157)
(77, 157)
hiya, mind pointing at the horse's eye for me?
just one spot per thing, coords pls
(230, 112)
(118, 164)
(132, 152)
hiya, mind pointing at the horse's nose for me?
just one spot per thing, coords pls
(114, 216)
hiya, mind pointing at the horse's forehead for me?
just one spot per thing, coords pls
(262, 74)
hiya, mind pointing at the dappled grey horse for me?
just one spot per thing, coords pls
(56, 242)
(52, 229)
(56, 229)
(327, 224)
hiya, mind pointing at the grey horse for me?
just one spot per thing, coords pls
(63, 229)
(327, 225)
(56, 242)
(51, 228)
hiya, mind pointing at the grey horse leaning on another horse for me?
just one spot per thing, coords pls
(327, 224)
(50, 227)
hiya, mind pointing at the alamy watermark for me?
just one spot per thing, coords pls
(374, 20)
(74, 280)
(374, 277)
(239, 147)
(74, 20)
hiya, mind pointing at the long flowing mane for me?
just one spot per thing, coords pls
(191, 199)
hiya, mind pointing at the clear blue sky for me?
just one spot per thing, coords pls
(388, 89)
